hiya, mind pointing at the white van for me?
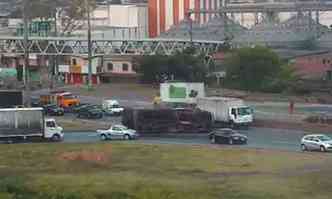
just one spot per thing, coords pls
(112, 107)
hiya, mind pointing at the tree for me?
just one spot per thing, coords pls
(69, 12)
(283, 81)
(184, 66)
(252, 68)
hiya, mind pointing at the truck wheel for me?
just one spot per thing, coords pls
(56, 138)
(231, 125)
(126, 137)
(9, 142)
(213, 139)
(230, 141)
(103, 137)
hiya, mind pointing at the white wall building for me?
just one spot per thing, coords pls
(120, 21)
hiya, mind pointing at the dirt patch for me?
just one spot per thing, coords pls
(97, 157)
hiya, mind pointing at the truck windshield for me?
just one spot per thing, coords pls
(244, 111)
(50, 124)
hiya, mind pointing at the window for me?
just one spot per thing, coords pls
(109, 66)
(116, 129)
(74, 61)
(50, 124)
(329, 75)
(125, 67)
(233, 111)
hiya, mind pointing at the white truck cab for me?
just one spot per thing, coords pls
(52, 130)
(112, 107)
(241, 115)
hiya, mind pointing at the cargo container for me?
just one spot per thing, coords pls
(230, 111)
(167, 120)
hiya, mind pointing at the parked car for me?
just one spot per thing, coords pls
(317, 142)
(117, 132)
(77, 108)
(112, 108)
(227, 136)
(52, 109)
(90, 113)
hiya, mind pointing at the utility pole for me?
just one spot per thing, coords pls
(89, 45)
(55, 71)
(190, 27)
(26, 52)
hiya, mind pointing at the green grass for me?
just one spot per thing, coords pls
(122, 171)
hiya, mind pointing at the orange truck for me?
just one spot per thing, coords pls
(61, 98)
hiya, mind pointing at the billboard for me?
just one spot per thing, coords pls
(181, 92)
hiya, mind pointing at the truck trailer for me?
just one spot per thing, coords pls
(60, 98)
(229, 111)
(20, 124)
(11, 98)
(167, 120)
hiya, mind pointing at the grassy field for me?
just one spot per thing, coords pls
(135, 171)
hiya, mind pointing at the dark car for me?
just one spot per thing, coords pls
(54, 110)
(227, 136)
(77, 108)
(90, 113)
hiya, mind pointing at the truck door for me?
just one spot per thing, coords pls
(232, 114)
(50, 129)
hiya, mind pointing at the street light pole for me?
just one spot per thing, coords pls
(190, 27)
(89, 45)
(26, 52)
(25, 42)
(55, 71)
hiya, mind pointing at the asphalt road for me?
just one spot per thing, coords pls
(258, 138)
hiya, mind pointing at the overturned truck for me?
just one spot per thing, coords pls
(167, 120)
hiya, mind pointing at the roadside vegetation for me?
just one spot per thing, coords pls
(258, 69)
(185, 66)
(121, 171)
(249, 69)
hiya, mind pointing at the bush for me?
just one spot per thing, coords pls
(258, 69)
(184, 66)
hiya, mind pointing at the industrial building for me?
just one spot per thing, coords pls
(163, 14)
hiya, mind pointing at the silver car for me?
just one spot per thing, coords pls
(117, 132)
(316, 142)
